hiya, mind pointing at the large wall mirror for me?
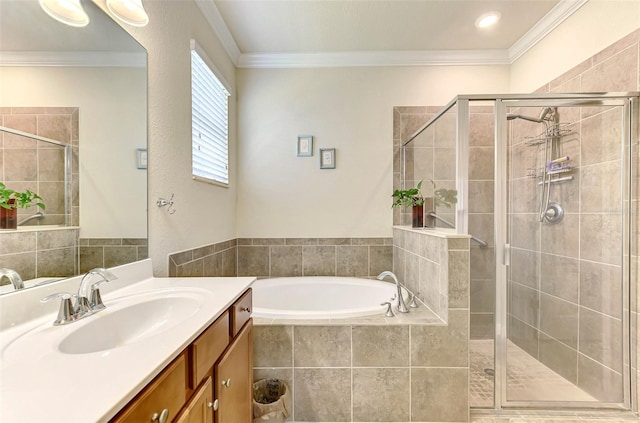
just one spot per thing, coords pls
(86, 89)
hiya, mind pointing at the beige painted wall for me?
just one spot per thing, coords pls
(112, 102)
(350, 109)
(205, 213)
(596, 25)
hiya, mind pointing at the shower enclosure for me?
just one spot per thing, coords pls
(548, 187)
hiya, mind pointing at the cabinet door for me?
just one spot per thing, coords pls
(200, 408)
(233, 381)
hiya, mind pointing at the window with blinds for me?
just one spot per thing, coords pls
(209, 120)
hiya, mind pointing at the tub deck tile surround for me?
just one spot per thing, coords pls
(413, 367)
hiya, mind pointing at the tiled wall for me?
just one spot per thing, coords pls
(34, 254)
(211, 260)
(281, 257)
(110, 252)
(434, 267)
(39, 166)
(390, 373)
(278, 257)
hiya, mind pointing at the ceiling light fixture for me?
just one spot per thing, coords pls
(488, 19)
(129, 11)
(68, 12)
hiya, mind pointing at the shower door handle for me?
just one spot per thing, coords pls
(506, 255)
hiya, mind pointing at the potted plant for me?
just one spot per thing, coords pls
(11, 200)
(411, 197)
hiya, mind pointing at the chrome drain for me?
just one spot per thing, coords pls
(489, 372)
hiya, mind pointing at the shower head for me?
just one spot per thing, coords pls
(511, 116)
(544, 115)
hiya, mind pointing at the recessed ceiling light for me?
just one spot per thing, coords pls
(488, 19)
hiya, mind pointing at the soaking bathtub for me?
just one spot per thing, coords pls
(320, 297)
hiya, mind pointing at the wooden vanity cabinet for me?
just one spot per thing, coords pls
(191, 388)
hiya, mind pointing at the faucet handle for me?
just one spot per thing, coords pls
(389, 312)
(95, 302)
(66, 313)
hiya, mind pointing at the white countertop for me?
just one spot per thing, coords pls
(45, 385)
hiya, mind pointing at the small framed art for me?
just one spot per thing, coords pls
(327, 158)
(141, 158)
(305, 146)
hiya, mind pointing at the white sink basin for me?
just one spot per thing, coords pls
(129, 324)
(126, 320)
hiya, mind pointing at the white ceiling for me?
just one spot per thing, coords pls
(367, 32)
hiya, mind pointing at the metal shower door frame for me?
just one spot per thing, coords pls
(629, 102)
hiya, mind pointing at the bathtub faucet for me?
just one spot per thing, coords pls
(402, 307)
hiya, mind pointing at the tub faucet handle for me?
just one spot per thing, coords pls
(413, 303)
(389, 312)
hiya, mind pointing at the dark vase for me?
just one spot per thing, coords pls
(417, 220)
(9, 217)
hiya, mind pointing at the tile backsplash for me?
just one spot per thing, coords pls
(280, 257)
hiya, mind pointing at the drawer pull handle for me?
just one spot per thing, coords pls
(247, 309)
(227, 383)
(163, 417)
(215, 405)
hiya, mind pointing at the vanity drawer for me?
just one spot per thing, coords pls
(168, 391)
(241, 312)
(207, 348)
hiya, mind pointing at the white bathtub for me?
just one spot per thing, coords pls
(319, 297)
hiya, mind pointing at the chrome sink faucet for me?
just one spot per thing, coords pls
(13, 277)
(89, 300)
(401, 307)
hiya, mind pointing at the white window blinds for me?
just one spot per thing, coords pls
(209, 121)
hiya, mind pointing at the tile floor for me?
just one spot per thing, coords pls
(527, 378)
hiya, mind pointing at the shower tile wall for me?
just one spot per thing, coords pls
(110, 252)
(35, 254)
(564, 286)
(432, 156)
(29, 164)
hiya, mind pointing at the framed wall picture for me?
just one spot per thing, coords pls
(327, 158)
(305, 146)
(141, 158)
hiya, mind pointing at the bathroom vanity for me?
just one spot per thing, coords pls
(164, 349)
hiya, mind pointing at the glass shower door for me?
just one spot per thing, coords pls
(562, 337)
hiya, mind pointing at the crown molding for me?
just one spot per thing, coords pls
(374, 58)
(219, 26)
(73, 59)
(544, 26)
